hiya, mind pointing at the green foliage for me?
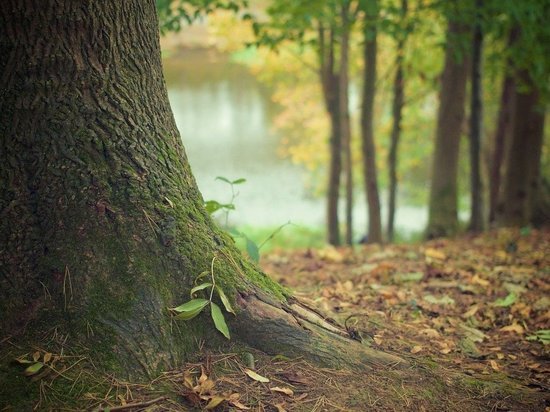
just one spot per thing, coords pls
(193, 307)
(172, 13)
(509, 300)
(542, 336)
(251, 247)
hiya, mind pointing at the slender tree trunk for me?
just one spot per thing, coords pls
(331, 94)
(102, 227)
(522, 180)
(397, 108)
(374, 233)
(345, 129)
(502, 134)
(476, 126)
(443, 214)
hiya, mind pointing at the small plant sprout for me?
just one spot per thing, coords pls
(192, 308)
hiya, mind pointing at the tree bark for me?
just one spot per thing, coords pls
(476, 126)
(345, 128)
(374, 233)
(397, 109)
(522, 180)
(443, 214)
(102, 227)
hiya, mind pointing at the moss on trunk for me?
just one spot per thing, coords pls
(102, 226)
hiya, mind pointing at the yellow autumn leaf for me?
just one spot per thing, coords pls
(515, 327)
(286, 391)
(416, 349)
(435, 254)
(255, 376)
(494, 365)
(479, 281)
(215, 401)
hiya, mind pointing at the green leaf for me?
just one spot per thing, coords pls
(443, 300)
(223, 179)
(33, 369)
(191, 306)
(219, 320)
(507, 301)
(213, 206)
(238, 181)
(409, 277)
(542, 335)
(252, 250)
(200, 287)
(224, 299)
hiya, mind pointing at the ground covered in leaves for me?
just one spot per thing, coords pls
(480, 304)
(468, 314)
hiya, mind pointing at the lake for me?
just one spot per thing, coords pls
(225, 116)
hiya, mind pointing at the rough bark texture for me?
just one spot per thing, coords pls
(443, 215)
(374, 233)
(522, 180)
(397, 108)
(330, 87)
(102, 226)
(476, 126)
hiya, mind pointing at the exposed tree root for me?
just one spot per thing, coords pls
(298, 331)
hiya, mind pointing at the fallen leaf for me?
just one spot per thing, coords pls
(507, 301)
(475, 335)
(33, 369)
(215, 401)
(47, 357)
(443, 300)
(435, 254)
(479, 281)
(286, 391)
(471, 311)
(255, 376)
(187, 379)
(280, 407)
(234, 400)
(416, 349)
(515, 327)
(36, 356)
(494, 365)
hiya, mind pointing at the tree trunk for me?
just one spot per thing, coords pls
(476, 123)
(345, 129)
(374, 233)
(443, 215)
(522, 180)
(330, 87)
(503, 132)
(397, 108)
(102, 227)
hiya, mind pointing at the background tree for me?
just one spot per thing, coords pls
(371, 10)
(443, 213)
(327, 30)
(397, 109)
(476, 122)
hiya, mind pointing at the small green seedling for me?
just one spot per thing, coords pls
(192, 308)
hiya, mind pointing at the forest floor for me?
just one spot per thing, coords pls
(471, 315)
